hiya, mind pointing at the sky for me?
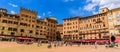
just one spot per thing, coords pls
(60, 8)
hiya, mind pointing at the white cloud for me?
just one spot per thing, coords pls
(110, 4)
(90, 7)
(76, 12)
(12, 12)
(39, 16)
(68, 0)
(49, 13)
(95, 12)
(13, 5)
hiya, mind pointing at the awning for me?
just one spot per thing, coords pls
(90, 41)
(104, 40)
(25, 38)
(117, 40)
(73, 40)
(76, 41)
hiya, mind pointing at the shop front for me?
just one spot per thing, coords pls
(25, 40)
(117, 41)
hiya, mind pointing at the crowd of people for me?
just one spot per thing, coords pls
(63, 43)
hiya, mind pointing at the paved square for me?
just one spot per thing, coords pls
(14, 47)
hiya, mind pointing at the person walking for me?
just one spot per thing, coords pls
(49, 45)
(106, 45)
(71, 43)
(78, 44)
(38, 44)
(66, 43)
(95, 45)
(55, 44)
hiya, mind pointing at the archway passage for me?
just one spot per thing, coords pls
(112, 38)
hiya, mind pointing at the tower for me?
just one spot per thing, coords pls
(103, 10)
(2, 10)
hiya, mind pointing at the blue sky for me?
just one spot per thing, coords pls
(59, 8)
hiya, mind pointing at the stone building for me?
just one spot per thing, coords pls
(60, 29)
(26, 24)
(95, 27)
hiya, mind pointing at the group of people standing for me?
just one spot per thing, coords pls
(61, 43)
(55, 44)
(39, 43)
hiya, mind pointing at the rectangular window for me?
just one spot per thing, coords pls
(0, 10)
(30, 31)
(16, 23)
(21, 23)
(118, 31)
(40, 33)
(14, 29)
(118, 22)
(94, 20)
(41, 27)
(10, 22)
(10, 29)
(0, 16)
(112, 32)
(32, 25)
(12, 33)
(37, 33)
(4, 21)
(104, 31)
(37, 26)
(33, 21)
(103, 25)
(109, 17)
(118, 15)
(3, 28)
(40, 30)
(44, 27)
(22, 30)
(110, 24)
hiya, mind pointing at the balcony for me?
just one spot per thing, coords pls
(117, 34)
(117, 25)
(81, 33)
(106, 37)
(100, 21)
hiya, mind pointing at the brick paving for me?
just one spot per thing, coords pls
(14, 47)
